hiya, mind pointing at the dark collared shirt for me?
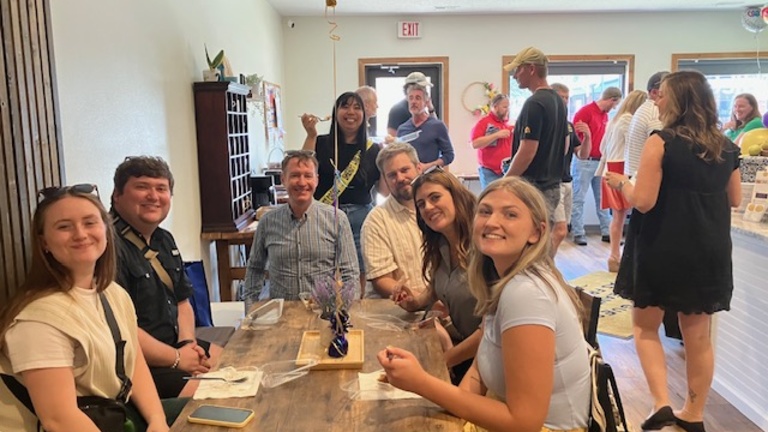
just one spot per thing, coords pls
(156, 306)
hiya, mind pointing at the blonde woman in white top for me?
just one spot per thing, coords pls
(73, 353)
(612, 148)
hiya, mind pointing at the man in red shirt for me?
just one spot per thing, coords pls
(492, 137)
(595, 115)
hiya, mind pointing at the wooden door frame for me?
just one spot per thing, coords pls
(407, 61)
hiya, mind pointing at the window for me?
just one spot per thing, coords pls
(387, 76)
(586, 77)
(729, 74)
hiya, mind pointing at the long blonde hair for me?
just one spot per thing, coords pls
(630, 104)
(485, 283)
(46, 275)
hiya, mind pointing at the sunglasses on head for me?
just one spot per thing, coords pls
(430, 170)
(56, 191)
(302, 153)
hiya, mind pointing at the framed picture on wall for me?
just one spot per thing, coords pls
(273, 115)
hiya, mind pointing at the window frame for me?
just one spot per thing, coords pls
(629, 58)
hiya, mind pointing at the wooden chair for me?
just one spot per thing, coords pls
(591, 316)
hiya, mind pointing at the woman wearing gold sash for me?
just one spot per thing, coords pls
(345, 148)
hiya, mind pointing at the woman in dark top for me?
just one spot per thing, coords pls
(678, 251)
(445, 209)
(356, 163)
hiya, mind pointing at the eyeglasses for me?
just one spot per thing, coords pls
(428, 171)
(56, 191)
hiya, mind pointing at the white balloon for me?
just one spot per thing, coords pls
(752, 20)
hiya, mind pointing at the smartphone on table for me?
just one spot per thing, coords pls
(221, 416)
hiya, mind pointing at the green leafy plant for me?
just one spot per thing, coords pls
(253, 80)
(216, 60)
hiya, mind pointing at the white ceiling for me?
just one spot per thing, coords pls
(477, 7)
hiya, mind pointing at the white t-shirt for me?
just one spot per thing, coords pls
(614, 142)
(529, 300)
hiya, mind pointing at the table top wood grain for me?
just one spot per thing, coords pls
(317, 402)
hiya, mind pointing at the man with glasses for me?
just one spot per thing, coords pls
(300, 242)
(399, 112)
(151, 269)
(391, 239)
(431, 141)
(539, 138)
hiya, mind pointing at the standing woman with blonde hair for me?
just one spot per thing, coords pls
(612, 150)
(531, 372)
(678, 252)
(55, 339)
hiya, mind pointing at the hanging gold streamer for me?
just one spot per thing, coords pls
(330, 5)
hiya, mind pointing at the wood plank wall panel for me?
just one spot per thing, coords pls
(30, 150)
(741, 370)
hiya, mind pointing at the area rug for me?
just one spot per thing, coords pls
(615, 312)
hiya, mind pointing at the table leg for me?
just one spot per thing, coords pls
(225, 277)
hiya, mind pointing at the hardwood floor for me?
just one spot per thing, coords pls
(720, 416)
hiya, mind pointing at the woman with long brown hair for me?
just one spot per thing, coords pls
(444, 211)
(54, 334)
(531, 371)
(678, 251)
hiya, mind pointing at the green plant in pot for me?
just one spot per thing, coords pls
(215, 70)
(254, 82)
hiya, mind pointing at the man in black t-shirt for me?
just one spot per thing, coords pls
(539, 138)
(150, 268)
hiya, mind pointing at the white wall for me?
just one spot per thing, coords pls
(475, 46)
(125, 71)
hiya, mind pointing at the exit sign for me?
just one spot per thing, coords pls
(408, 29)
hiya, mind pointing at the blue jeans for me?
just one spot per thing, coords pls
(356, 213)
(583, 172)
(487, 176)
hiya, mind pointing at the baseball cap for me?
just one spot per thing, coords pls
(417, 78)
(528, 55)
(655, 80)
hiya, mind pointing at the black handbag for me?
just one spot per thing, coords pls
(109, 415)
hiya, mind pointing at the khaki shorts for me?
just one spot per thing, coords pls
(563, 210)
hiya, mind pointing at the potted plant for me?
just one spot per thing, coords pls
(215, 71)
(254, 82)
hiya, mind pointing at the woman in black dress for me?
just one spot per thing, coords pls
(678, 251)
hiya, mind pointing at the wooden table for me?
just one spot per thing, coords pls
(226, 271)
(316, 401)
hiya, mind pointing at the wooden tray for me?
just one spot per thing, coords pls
(310, 347)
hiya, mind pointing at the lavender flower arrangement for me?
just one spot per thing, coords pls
(335, 298)
(330, 298)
